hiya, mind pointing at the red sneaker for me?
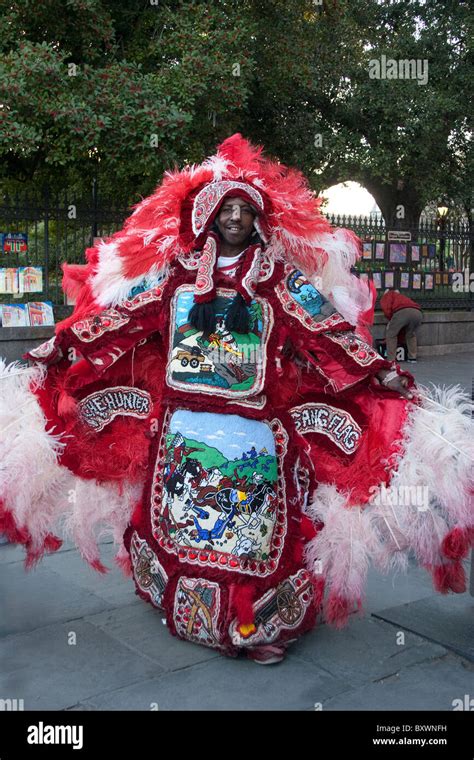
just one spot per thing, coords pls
(267, 654)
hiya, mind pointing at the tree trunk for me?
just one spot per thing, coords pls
(401, 207)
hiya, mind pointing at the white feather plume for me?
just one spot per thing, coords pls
(43, 496)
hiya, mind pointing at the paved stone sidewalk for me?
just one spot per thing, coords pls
(412, 650)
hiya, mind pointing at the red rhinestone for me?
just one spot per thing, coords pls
(223, 559)
(234, 562)
(262, 568)
(192, 555)
(213, 557)
(203, 557)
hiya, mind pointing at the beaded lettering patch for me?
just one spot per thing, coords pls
(100, 408)
(336, 424)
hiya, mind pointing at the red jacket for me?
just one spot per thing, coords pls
(393, 301)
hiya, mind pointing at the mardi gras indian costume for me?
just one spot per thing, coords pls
(248, 477)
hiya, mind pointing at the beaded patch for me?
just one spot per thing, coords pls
(47, 350)
(360, 351)
(231, 362)
(100, 408)
(189, 259)
(301, 300)
(139, 300)
(151, 283)
(149, 574)
(218, 492)
(91, 328)
(197, 605)
(210, 196)
(249, 282)
(257, 403)
(336, 424)
(279, 609)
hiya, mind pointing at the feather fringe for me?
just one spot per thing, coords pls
(427, 509)
(39, 497)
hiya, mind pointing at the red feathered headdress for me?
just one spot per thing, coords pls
(172, 220)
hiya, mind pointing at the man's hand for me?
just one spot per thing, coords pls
(398, 383)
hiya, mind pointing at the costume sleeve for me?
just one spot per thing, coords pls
(324, 344)
(78, 423)
(105, 337)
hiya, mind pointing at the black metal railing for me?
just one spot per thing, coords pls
(59, 228)
(434, 262)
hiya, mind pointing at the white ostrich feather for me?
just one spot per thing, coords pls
(429, 493)
(43, 496)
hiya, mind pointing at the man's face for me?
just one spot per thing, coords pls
(235, 220)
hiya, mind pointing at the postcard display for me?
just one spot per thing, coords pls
(20, 280)
(400, 265)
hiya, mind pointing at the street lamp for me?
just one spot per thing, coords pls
(442, 214)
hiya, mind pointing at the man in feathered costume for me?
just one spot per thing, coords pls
(215, 403)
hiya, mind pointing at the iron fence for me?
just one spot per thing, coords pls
(438, 253)
(59, 228)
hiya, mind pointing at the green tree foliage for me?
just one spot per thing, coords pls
(394, 136)
(161, 83)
